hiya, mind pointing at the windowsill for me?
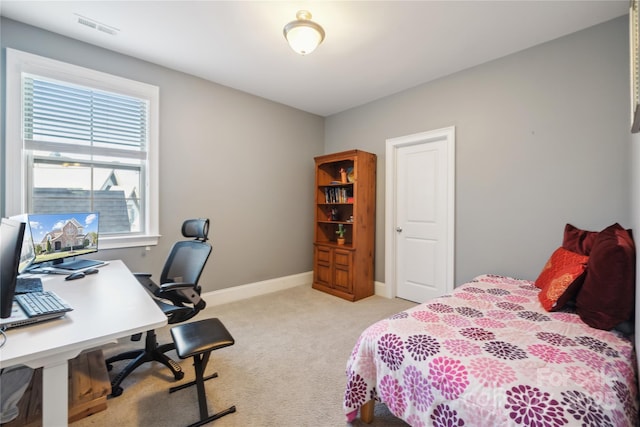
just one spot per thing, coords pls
(119, 242)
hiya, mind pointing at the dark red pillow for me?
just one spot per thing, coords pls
(608, 294)
(561, 278)
(577, 240)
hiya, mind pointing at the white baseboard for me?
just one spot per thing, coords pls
(381, 289)
(237, 293)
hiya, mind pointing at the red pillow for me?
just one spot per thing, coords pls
(577, 240)
(561, 278)
(608, 294)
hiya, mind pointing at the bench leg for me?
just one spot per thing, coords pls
(202, 395)
(200, 363)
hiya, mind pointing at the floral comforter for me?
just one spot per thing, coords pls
(490, 355)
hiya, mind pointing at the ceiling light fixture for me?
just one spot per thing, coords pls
(303, 34)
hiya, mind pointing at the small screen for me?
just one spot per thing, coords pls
(59, 236)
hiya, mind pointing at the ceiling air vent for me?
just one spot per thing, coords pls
(87, 22)
(107, 30)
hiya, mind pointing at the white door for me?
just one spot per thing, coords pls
(420, 212)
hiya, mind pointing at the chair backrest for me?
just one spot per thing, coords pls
(187, 259)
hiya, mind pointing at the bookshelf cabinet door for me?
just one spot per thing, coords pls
(322, 270)
(343, 270)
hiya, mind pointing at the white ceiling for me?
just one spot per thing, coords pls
(372, 48)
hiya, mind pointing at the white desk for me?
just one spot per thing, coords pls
(107, 306)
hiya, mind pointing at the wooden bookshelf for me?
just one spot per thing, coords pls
(345, 187)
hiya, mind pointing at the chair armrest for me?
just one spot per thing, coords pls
(186, 291)
(174, 286)
(142, 274)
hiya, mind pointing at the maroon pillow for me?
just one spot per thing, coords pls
(608, 293)
(577, 240)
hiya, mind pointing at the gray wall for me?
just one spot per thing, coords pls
(242, 161)
(542, 139)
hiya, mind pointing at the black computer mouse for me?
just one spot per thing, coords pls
(91, 271)
(74, 276)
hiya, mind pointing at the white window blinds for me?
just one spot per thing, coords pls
(65, 118)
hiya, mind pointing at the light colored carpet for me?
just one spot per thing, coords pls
(287, 367)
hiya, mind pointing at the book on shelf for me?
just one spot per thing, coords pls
(338, 195)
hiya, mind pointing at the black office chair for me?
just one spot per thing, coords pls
(178, 295)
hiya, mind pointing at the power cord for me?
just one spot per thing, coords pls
(4, 337)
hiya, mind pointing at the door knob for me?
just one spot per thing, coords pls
(399, 229)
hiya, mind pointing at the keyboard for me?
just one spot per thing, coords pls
(39, 303)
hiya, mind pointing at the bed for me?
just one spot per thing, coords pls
(490, 354)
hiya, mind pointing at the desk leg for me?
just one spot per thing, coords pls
(55, 392)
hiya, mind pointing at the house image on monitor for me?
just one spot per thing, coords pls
(70, 236)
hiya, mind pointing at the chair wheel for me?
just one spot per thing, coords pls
(179, 375)
(116, 391)
(109, 366)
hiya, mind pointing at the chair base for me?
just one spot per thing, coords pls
(151, 352)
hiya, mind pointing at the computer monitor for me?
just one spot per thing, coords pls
(27, 254)
(11, 236)
(57, 237)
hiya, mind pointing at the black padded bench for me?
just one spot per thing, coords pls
(198, 339)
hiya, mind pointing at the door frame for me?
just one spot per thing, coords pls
(392, 145)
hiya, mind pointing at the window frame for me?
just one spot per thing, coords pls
(16, 180)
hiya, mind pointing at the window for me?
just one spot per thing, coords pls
(81, 140)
